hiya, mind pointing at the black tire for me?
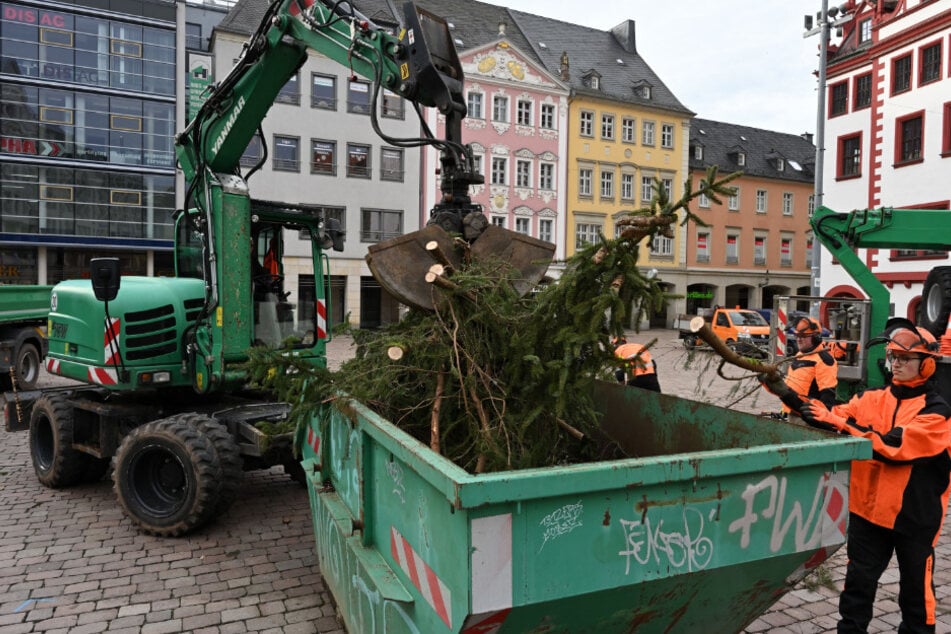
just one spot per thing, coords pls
(166, 477)
(55, 461)
(26, 370)
(229, 458)
(936, 300)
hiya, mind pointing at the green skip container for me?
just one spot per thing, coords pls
(720, 513)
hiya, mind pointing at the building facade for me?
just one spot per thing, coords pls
(322, 152)
(888, 132)
(757, 242)
(87, 165)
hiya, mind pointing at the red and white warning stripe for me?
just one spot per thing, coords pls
(102, 376)
(313, 440)
(110, 341)
(321, 319)
(485, 623)
(432, 588)
(52, 365)
(782, 319)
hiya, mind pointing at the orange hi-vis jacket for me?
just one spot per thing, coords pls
(813, 375)
(638, 358)
(904, 486)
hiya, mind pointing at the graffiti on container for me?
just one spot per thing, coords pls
(561, 522)
(345, 452)
(767, 501)
(684, 546)
(395, 471)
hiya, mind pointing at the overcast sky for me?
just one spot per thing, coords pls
(738, 61)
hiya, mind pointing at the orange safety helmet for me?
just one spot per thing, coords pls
(807, 326)
(919, 341)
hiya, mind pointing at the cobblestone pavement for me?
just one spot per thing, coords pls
(70, 562)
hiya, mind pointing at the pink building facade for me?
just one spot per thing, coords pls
(517, 125)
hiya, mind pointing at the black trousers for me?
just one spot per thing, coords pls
(869, 549)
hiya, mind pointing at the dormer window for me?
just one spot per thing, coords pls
(780, 164)
(643, 89)
(741, 158)
(595, 82)
(592, 80)
(698, 152)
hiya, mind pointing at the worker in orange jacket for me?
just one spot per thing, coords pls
(812, 373)
(898, 498)
(637, 366)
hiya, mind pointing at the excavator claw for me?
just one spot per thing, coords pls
(400, 264)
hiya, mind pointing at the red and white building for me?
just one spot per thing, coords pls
(888, 131)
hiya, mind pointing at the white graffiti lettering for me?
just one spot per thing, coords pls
(561, 522)
(767, 501)
(684, 547)
(395, 471)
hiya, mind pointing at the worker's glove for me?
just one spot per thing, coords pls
(772, 384)
(815, 411)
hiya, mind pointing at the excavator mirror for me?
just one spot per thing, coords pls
(104, 273)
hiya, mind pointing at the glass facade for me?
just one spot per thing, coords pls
(87, 125)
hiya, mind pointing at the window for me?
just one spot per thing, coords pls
(839, 98)
(929, 64)
(662, 246)
(627, 186)
(587, 123)
(741, 158)
(475, 105)
(323, 157)
(358, 97)
(759, 250)
(253, 153)
(607, 127)
(812, 204)
(523, 173)
(647, 133)
(946, 130)
(733, 202)
(323, 92)
(668, 185)
(863, 91)
(901, 74)
(607, 184)
(523, 226)
(545, 226)
(584, 182)
(732, 246)
(548, 116)
(703, 246)
(787, 203)
(586, 233)
(392, 106)
(850, 156)
(808, 252)
(666, 135)
(286, 154)
(628, 131)
(908, 144)
(380, 224)
(358, 161)
(703, 201)
(391, 164)
(698, 152)
(478, 162)
(546, 176)
(500, 109)
(761, 201)
(499, 170)
(785, 252)
(290, 93)
(865, 31)
(523, 112)
(193, 39)
(647, 188)
(780, 165)
(498, 221)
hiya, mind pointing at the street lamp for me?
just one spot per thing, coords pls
(826, 18)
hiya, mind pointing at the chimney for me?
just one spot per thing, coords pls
(807, 136)
(565, 75)
(624, 34)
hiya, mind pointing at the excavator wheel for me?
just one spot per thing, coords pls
(400, 264)
(166, 476)
(27, 367)
(55, 461)
(229, 457)
(936, 301)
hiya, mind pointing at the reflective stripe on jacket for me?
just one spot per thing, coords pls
(638, 359)
(904, 486)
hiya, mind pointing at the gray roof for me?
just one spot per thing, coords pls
(477, 23)
(722, 141)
